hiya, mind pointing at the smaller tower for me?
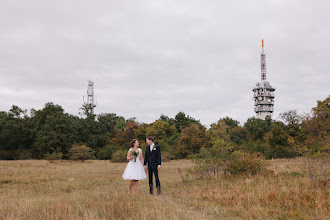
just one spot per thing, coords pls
(90, 104)
(263, 92)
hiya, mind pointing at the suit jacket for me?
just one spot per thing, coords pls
(153, 158)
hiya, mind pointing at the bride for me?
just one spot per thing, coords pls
(134, 170)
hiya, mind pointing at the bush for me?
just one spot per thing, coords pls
(119, 156)
(124, 147)
(205, 164)
(245, 163)
(164, 145)
(106, 152)
(54, 156)
(7, 155)
(81, 152)
(166, 156)
(222, 159)
(210, 162)
(17, 154)
(278, 151)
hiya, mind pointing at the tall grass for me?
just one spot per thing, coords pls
(35, 189)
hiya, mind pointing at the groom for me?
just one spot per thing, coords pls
(152, 157)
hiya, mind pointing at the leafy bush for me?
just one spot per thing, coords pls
(167, 156)
(23, 154)
(106, 152)
(54, 156)
(164, 145)
(210, 162)
(81, 152)
(119, 156)
(279, 151)
(245, 163)
(221, 158)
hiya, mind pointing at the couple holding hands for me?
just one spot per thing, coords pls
(137, 165)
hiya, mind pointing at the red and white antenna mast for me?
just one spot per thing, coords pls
(263, 63)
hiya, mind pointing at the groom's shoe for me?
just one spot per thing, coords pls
(158, 190)
(151, 190)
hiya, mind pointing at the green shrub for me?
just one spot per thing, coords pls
(164, 145)
(245, 163)
(278, 151)
(81, 152)
(124, 147)
(166, 156)
(106, 152)
(211, 162)
(23, 154)
(119, 156)
(54, 156)
(222, 159)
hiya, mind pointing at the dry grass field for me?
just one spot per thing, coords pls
(34, 189)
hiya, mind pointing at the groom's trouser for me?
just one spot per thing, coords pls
(154, 170)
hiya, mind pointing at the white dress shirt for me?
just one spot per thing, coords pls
(152, 146)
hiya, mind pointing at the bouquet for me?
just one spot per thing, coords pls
(134, 154)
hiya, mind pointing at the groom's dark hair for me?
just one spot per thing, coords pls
(150, 138)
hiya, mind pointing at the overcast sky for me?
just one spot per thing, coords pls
(154, 57)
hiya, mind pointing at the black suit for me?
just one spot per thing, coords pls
(153, 158)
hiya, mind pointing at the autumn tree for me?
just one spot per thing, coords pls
(191, 140)
(316, 140)
(119, 139)
(279, 143)
(123, 137)
(130, 129)
(218, 131)
(160, 129)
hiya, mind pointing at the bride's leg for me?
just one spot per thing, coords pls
(136, 182)
(130, 186)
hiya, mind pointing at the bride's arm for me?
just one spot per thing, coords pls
(129, 155)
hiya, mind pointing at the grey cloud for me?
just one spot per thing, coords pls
(159, 57)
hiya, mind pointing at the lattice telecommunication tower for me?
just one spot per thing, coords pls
(90, 102)
(263, 92)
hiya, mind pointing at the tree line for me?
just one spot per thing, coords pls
(51, 133)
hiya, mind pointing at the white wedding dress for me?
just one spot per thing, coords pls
(135, 170)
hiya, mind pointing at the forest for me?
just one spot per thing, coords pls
(50, 133)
